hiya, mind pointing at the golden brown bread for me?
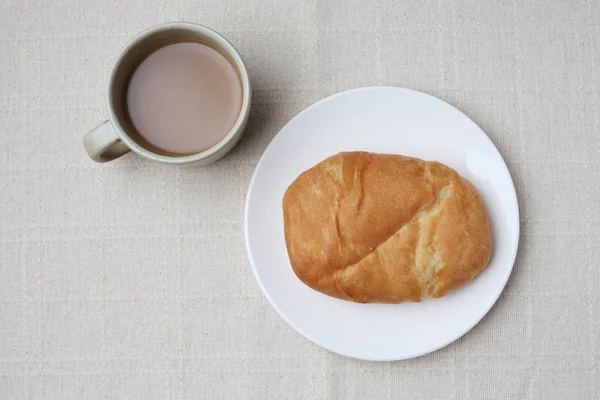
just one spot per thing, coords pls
(384, 228)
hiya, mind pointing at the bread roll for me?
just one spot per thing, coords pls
(381, 228)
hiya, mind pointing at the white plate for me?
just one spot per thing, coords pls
(382, 120)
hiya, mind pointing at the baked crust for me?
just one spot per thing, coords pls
(384, 228)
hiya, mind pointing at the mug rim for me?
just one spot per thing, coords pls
(233, 132)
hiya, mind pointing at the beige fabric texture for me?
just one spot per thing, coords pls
(130, 280)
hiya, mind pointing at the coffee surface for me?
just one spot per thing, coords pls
(184, 98)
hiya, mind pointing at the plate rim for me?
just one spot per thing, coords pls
(496, 295)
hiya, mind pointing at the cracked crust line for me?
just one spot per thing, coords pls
(424, 247)
(360, 181)
(416, 271)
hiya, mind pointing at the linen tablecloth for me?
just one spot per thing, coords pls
(130, 280)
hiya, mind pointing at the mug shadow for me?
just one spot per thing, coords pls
(264, 121)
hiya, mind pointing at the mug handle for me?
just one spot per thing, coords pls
(102, 143)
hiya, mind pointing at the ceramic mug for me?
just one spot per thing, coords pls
(113, 138)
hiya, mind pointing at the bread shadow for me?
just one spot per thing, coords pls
(509, 296)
